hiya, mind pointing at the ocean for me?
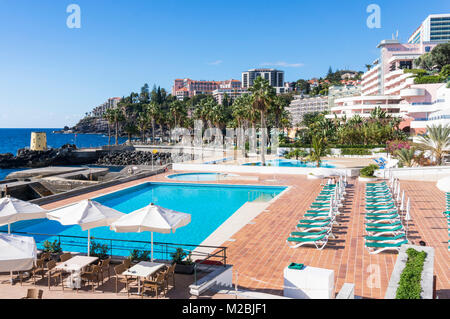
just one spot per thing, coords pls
(11, 140)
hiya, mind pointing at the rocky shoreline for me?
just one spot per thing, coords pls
(26, 158)
(135, 158)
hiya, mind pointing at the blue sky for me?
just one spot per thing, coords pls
(51, 75)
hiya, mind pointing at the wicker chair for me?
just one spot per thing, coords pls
(104, 267)
(126, 263)
(38, 269)
(91, 276)
(45, 256)
(53, 273)
(65, 257)
(118, 270)
(34, 294)
(170, 274)
(158, 284)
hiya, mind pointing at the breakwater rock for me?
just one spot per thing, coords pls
(35, 159)
(135, 158)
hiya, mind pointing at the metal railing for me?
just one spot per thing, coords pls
(123, 247)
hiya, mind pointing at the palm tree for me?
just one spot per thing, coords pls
(406, 156)
(437, 140)
(262, 97)
(153, 111)
(318, 149)
(109, 116)
(117, 117)
(142, 124)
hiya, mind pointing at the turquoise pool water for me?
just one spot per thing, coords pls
(290, 163)
(196, 177)
(209, 205)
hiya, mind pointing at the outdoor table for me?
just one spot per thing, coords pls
(144, 269)
(74, 266)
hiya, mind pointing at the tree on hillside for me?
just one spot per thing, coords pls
(262, 98)
(440, 55)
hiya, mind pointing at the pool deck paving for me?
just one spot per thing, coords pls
(259, 252)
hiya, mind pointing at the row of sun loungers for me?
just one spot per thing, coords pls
(384, 228)
(317, 224)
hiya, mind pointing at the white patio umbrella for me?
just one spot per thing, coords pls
(17, 253)
(151, 218)
(398, 192)
(13, 210)
(444, 184)
(88, 214)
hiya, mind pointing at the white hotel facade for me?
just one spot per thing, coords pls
(390, 86)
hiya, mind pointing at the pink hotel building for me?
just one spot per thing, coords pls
(188, 88)
(388, 86)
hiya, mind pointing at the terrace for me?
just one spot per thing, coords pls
(259, 253)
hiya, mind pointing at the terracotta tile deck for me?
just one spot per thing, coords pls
(260, 253)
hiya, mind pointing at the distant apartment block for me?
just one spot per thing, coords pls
(232, 93)
(100, 110)
(340, 91)
(183, 88)
(435, 28)
(275, 78)
(301, 105)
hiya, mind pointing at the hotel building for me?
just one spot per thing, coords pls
(232, 93)
(183, 88)
(301, 105)
(389, 85)
(275, 78)
(100, 110)
(435, 28)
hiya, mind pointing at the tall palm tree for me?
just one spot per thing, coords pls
(142, 124)
(153, 111)
(437, 140)
(109, 116)
(117, 118)
(262, 98)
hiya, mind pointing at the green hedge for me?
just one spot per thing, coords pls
(368, 171)
(409, 284)
(359, 146)
(355, 151)
(428, 79)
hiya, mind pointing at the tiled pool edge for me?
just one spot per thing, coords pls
(238, 220)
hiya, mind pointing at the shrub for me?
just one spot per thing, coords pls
(99, 250)
(418, 72)
(427, 79)
(358, 146)
(139, 255)
(178, 257)
(53, 248)
(368, 171)
(355, 151)
(409, 285)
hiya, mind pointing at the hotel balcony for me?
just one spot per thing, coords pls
(412, 92)
(396, 89)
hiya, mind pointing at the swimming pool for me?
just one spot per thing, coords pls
(209, 204)
(291, 163)
(198, 177)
